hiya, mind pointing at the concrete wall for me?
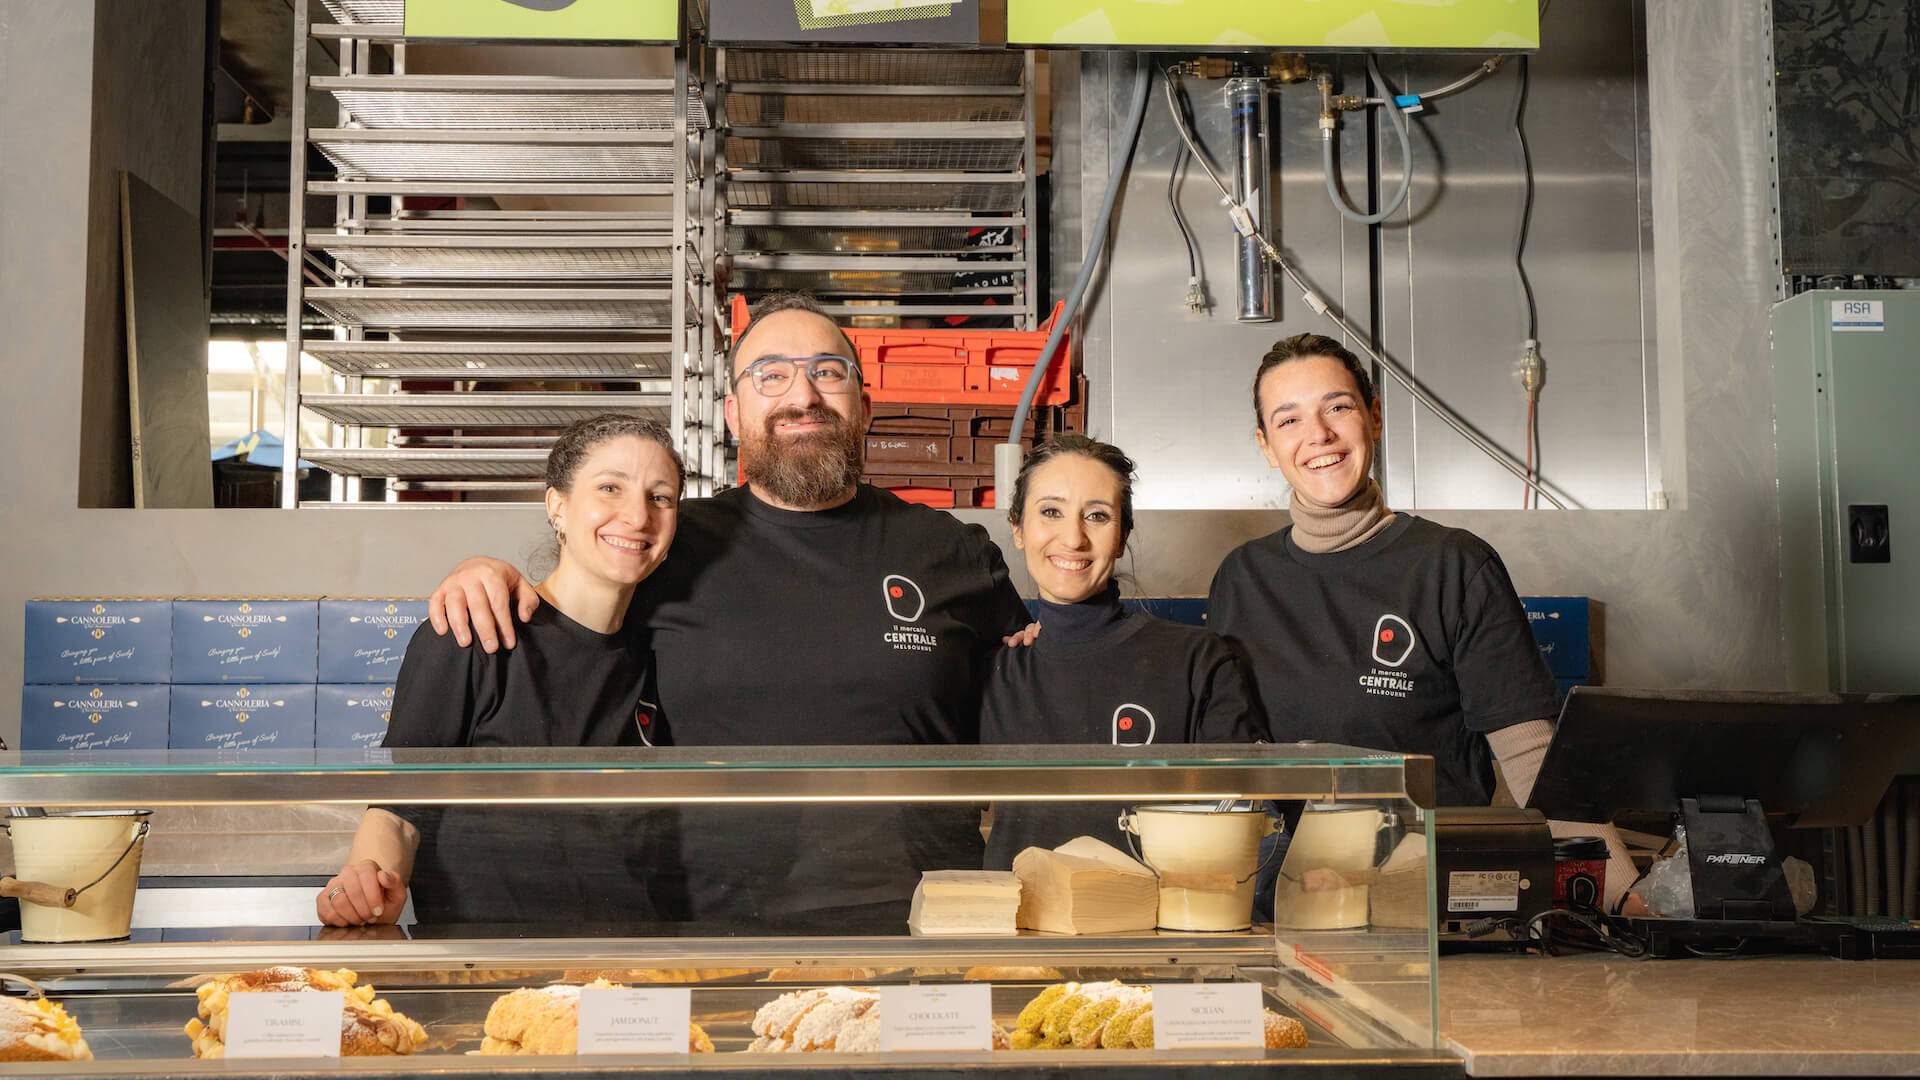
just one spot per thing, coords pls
(148, 80)
(1692, 594)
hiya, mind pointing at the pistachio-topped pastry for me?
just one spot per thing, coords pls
(1113, 1016)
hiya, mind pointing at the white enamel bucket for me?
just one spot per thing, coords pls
(1324, 882)
(1206, 859)
(77, 872)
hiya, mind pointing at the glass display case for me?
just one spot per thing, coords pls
(774, 885)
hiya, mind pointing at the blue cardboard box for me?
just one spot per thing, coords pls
(364, 640)
(352, 717)
(105, 640)
(251, 717)
(266, 641)
(1563, 628)
(92, 718)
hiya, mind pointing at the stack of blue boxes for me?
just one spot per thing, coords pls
(212, 673)
(1563, 628)
(97, 674)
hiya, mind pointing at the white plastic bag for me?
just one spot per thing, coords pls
(1668, 886)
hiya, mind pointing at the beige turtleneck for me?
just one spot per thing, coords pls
(1319, 529)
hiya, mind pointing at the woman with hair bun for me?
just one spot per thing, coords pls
(1377, 629)
(579, 678)
(1096, 673)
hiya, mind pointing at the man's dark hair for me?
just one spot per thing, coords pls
(775, 302)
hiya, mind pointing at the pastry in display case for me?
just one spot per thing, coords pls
(369, 1026)
(39, 1030)
(466, 1000)
(546, 1020)
(1114, 1016)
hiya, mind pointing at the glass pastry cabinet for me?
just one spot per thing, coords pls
(732, 857)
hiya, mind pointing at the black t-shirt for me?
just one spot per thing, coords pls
(872, 623)
(1411, 642)
(563, 685)
(1131, 681)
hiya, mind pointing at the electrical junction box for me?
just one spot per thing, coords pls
(1846, 378)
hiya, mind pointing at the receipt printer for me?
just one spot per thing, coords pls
(1491, 862)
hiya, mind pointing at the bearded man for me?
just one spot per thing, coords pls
(803, 609)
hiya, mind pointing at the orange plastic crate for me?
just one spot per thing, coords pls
(953, 367)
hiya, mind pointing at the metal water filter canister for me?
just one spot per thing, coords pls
(1247, 106)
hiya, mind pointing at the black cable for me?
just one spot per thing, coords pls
(1620, 941)
(1526, 204)
(1196, 298)
(1173, 204)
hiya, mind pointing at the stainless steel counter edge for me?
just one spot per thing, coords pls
(374, 955)
(1157, 1064)
(1596, 1062)
(241, 784)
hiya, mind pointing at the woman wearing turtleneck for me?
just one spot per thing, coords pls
(1096, 673)
(1374, 629)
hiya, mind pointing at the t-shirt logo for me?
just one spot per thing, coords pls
(905, 601)
(1392, 641)
(1132, 725)
(643, 720)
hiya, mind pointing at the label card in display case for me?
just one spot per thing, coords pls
(936, 1018)
(304, 1023)
(1208, 1015)
(619, 1020)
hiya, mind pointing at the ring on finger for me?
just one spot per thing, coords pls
(335, 892)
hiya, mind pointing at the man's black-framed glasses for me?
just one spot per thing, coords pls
(773, 376)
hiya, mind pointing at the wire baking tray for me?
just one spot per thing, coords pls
(367, 11)
(494, 308)
(507, 103)
(426, 462)
(513, 222)
(618, 360)
(875, 105)
(574, 257)
(904, 149)
(425, 158)
(909, 67)
(875, 191)
(478, 410)
(859, 242)
(865, 283)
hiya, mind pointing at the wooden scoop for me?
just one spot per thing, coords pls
(38, 892)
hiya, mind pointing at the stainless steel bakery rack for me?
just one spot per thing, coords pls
(889, 182)
(508, 251)
(475, 360)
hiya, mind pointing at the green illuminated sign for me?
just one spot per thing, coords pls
(1291, 24)
(552, 20)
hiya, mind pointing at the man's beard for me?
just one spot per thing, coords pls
(805, 470)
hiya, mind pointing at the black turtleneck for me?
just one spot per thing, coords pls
(1098, 674)
(1076, 624)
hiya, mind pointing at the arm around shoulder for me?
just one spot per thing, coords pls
(479, 600)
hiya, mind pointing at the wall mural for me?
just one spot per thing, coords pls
(1849, 120)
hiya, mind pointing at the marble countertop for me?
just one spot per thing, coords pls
(1599, 1015)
